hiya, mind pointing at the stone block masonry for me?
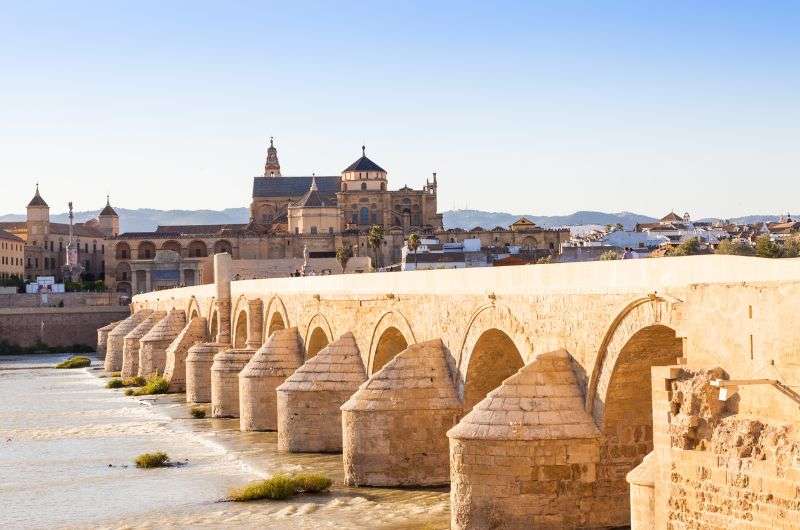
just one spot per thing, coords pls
(198, 371)
(153, 346)
(131, 344)
(269, 367)
(526, 456)
(102, 337)
(56, 326)
(115, 345)
(175, 371)
(394, 427)
(225, 381)
(309, 401)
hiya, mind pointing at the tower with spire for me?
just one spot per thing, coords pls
(272, 168)
(109, 220)
(38, 218)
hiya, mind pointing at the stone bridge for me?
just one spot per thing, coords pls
(535, 391)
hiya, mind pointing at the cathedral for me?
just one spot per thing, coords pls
(290, 215)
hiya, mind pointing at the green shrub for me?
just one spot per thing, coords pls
(115, 374)
(198, 412)
(311, 482)
(114, 383)
(148, 460)
(281, 487)
(278, 487)
(134, 381)
(76, 361)
(129, 391)
(155, 385)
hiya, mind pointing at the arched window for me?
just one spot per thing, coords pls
(363, 216)
(363, 186)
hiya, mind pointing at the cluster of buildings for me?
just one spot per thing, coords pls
(293, 220)
(671, 230)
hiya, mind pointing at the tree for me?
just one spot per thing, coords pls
(375, 240)
(791, 248)
(343, 255)
(413, 244)
(736, 247)
(609, 255)
(690, 247)
(766, 248)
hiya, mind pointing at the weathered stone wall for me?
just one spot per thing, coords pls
(719, 462)
(196, 331)
(57, 326)
(225, 381)
(54, 299)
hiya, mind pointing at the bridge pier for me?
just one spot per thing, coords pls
(116, 340)
(526, 456)
(269, 367)
(153, 346)
(199, 359)
(394, 427)
(225, 381)
(102, 337)
(309, 401)
(643, 494)
(175, 369)
(130, 350)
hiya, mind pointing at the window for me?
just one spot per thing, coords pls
(313, 229)
(296, 229)
(364, 216)
(51, 246)
(344, 186)
(330, 229)
(552, 246)
(60, 246)
(363, 186)
(94, 247)
(383, 186)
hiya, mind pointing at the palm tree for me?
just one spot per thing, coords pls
(343, 255)
(413, 244)
(375, 240)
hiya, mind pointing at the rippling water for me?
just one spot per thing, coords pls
(66, 445)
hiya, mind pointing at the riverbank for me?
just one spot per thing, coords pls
(68, 444)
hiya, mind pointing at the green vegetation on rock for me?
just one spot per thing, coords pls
(198, 412)
(155, 385)
(150, 460)
(76, 361)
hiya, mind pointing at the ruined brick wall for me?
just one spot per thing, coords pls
(731, 463)
(57, 326)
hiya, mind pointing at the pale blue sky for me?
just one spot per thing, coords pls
(545, 107)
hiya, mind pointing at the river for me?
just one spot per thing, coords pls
(67, 445)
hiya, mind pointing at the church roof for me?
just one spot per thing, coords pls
(364, 164)
(37, 199)
(9, 236)
(293, 186)
(108, 211)
(671, 217)
(313, 198)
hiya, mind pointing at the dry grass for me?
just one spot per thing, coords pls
(76, 361)
(155, 385)
(281, 487)
(150, 460)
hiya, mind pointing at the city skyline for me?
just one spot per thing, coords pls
(545, 109)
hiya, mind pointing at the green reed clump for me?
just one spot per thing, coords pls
(130, 391)
(115, 374)
(280, 487)
(276, 488)
(155, 385)
(114, 383)
(76, 361)
(136, 380)
(150, 460)
(198, 412)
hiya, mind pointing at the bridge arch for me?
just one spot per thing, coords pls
(619, 396)
(500, 345)
(241, 318)
(493, 359)
(391, 335)
(318, 335)
(275, 317)
(193, 308)
(213, 323)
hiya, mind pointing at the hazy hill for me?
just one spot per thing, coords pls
(146, 219)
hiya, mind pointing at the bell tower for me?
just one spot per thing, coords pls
(272, 168)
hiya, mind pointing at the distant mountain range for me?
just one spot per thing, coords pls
(146, 219)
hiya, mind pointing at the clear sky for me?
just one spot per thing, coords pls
(527, 107)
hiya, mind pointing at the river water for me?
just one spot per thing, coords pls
(66, 450)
